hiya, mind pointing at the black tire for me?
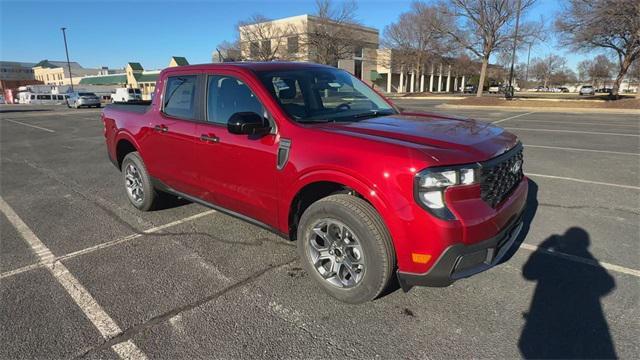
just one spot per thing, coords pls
(365, 223)
(150, 196)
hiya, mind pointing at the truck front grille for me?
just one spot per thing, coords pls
(500, 176)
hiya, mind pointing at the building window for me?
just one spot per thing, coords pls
(292, 45)
(357, 52)
(266, 47)
(253, 50)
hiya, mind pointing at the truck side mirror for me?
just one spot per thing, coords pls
(248, 123)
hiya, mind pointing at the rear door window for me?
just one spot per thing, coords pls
(180, 96)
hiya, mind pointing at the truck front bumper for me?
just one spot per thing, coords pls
(460, 261)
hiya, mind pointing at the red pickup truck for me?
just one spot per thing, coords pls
(366, 189)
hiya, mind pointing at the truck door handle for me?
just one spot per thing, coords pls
(212, 138)
(161, 128)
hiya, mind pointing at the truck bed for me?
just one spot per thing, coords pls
(138, 107)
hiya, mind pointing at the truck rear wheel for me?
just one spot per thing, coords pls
(137, 183)
(346, 248)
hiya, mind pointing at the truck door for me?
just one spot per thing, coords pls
(237, 172)
(171, 140)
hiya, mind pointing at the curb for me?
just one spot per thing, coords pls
(542, 109)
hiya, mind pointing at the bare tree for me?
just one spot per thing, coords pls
(227, 51)
(330, 37)
(263, 39)
(612, 25)
(549, 68)
(598, 70)
(480, 26)
(415, 45)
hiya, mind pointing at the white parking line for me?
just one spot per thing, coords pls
(577, 149)
(512, 117)
(80, 295)
(561, 122)
(29, 125)
(104, 245)
(612, 267)
(572, 131)
(584, 181)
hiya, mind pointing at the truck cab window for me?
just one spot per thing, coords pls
(227, 96)
(180, 97)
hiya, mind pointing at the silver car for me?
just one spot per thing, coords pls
(587, 90)
(78, 99)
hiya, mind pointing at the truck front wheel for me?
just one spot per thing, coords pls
(346, 248)
(137, 182)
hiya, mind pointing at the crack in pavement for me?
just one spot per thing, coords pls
(130, 332)
(582, 207)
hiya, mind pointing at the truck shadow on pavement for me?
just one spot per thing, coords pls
(566, 319)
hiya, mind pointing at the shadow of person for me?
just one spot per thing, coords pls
(566, 319)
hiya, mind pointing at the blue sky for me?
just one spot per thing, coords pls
(112, 33)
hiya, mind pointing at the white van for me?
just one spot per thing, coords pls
(126, 95)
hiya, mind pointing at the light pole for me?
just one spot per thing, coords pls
(526, 76)
(66, 50)
(510, 92)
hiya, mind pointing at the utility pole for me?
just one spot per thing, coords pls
(526, 77)
(66, 50)
(510, 92)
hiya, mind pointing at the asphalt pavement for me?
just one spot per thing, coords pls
(83, 274)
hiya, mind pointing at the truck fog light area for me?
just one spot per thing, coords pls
(467, 176)
(433, 199)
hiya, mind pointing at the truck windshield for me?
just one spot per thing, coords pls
(324, 94)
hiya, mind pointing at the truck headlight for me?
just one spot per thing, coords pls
(431, 183)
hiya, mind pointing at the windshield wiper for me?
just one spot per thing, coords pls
(372, 113)
(314, 121)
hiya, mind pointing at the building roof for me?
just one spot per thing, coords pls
(147, 77)
(135, 66)
(180, 60)
(113, 79)
(57, 64)
(17, 64)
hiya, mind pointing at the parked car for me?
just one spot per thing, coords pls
(563, 89)
(494, 89)
(79, 99)
(316, 155)
(123, 95)
(604, 90)
(586, 90)
(471, 89)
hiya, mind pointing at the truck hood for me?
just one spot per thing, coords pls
(478, 139)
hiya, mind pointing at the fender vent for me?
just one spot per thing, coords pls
(283, 153)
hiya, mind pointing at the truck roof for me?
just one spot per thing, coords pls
(251, 65)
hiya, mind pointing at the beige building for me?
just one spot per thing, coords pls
(289, 39)
(57, 72)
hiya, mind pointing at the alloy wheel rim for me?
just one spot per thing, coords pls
(133, 183)
(336, 253)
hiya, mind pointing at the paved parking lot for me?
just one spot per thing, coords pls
(83, 274)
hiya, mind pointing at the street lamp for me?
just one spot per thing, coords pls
(66, 50)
